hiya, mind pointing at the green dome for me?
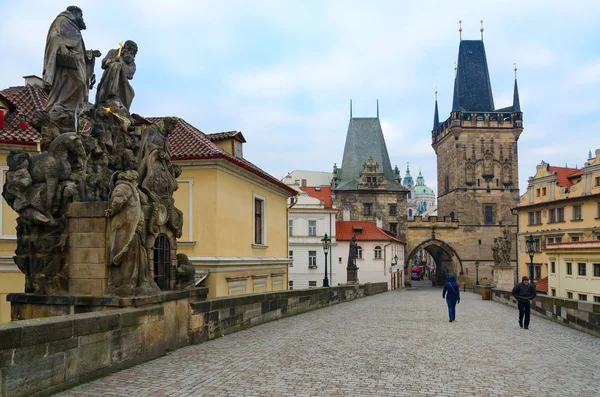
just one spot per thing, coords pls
(422, 189)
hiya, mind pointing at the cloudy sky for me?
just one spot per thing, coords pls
(283, 72)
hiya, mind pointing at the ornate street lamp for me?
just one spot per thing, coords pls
(476, 272)
(530, 242)
(326, 244)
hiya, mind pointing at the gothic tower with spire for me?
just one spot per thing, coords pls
(476, 147)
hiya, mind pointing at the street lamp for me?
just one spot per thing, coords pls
(530, 243)
(396, 282)
(476, 272)
(326, 243)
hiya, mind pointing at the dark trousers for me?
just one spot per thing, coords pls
(524, 310)
(452, 308)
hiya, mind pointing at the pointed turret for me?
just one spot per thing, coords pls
(516, 102)
(408, 180)
(472, 87)
(436, 117)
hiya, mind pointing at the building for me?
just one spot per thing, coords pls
(366, 188)
(380, 256)
(420, 198)
(310, 218)
(235, 214)
(477, 170)
(561, 212)
(308, 178)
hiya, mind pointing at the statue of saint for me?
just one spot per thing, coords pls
(119, 67)
(129, 273)
(352, 253)
(66, 72)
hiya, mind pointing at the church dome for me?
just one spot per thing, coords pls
(422, 189)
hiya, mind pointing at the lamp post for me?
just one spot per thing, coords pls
(326, 243)
(530, 243)
(476, 272)
(397, 278)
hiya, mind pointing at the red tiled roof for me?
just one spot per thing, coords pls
(218, 136)
(563, 174)
(344, 230)
(542, 285)
(25, 101)
(323, 194)
(189, 143)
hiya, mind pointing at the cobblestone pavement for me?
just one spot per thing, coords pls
(399, 343)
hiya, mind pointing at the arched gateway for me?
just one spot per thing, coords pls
(446, 259)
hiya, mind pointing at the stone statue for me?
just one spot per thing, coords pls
(119, 67)
(352, 253)
(495, 251)
(66, 73)
(129, 272)
(502, 249)
(186, 272)
(158, 176)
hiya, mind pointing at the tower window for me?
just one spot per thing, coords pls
(367, 208)
(488, 211)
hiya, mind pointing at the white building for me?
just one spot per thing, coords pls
(310, 217)
(380, 257)
(308, 178)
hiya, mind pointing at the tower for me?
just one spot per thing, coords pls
(476, 147)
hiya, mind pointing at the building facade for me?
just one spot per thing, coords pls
(561, 212)
(421, 198)
(380, 256)
(311, 216)
(308, 178)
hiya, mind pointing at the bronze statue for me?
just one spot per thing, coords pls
(67, 73)
(119, 67)
(129, 273)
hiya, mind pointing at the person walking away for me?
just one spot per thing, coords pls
(452, 294)
(524, 292)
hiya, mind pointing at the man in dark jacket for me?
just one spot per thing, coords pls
(524, 292)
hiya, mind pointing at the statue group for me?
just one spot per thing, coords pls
(91, 152)
(502, 248)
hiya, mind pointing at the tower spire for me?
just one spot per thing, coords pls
(481, 30)
(378, 108)
(516, 101)
(460, 30)
(350, 108)
(436, 117)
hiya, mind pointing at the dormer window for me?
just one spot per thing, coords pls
(237, 147)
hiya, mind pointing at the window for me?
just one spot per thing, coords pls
(553, 292)
(290, 285)
(569, 268)
(410, 212)
(552, 240)
(570, 295)
(488, 211)
(162, 262)
(597, 179)
(312, 259)
(371, 180)
(582, 297)
(259, 219)
(367, 208)
(577, 212)
(378, 252)
(552, 267)
(552, 215)
(535, 217)
(597, 299)
(598, 209)
(312, 284)
(574, 238)
(596, 269)
(393, 209)
(237, 147)
(581, 269)
(291, 254)
(560, 214)
(543, 191)
(537, 192)
(340, 259)
(393, 228)
(358, 252)
(312, 228)
(537, 272)
(291, 227)
(304, 182)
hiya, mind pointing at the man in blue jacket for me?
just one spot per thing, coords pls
(452, 294)
(524, 292)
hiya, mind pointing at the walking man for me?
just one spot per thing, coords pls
(524, 292)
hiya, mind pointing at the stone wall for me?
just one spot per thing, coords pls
(583, 316)
(42, 356)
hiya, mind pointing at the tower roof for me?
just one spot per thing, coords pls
(364, 140)
(516, 101)
(436, 117)
(472, 87)
(408, 180)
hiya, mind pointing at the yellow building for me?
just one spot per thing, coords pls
(235, 214)
(561, 211)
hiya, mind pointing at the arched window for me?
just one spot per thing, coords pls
(410, 212)
(162, 262)
(408, 195)
(378, 252)
(358, 252)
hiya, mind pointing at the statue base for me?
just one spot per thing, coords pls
(29, 306)
(352, 276)
(504, 277)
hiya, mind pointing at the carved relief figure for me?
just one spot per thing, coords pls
(119, 67)
(186, 272)
(129, 272)
(66, 73)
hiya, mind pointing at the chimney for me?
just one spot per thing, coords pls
(1, 119)
(33, 80)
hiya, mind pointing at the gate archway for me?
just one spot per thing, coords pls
(446, 259)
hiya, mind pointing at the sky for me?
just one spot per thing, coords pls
(283, 72)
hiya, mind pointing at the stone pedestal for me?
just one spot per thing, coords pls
(504, 277)
(352, 275)
(87, 248)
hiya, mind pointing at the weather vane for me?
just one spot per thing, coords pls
(460, 29)
(481, 30)
(515, 70)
